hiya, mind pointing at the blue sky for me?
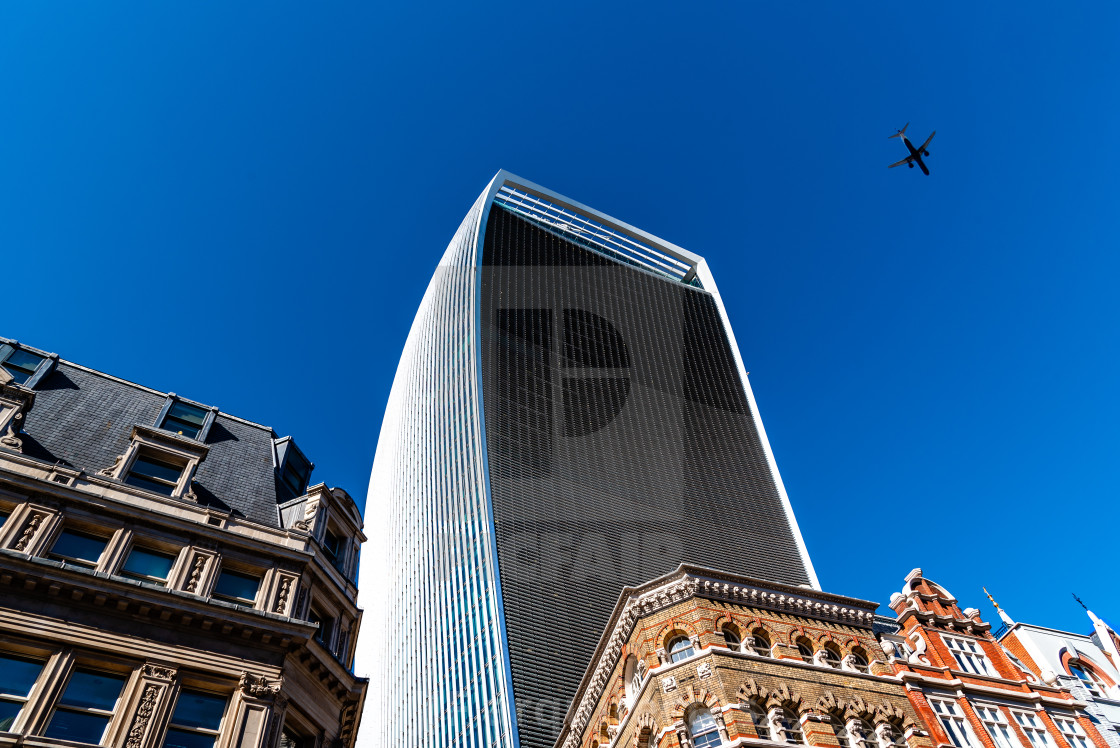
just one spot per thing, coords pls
(243, 203)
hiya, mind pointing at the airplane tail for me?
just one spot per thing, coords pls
(900, 133)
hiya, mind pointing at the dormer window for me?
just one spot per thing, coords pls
(185, 419)
(334, 549)
(295, 469)
(155, 474)
(25, 367)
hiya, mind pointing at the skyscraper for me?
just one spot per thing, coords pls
(570, 407)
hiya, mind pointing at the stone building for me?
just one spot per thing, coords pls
(168, 574)
(700, 658)
(971, 691)
(1088, 665)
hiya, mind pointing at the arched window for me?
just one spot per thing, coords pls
(680, 649)
(758, 719)
(863, 734)
(831, 655)
(761, 645)
(731, 637)
(702, 728)
(841, 730)
(805, 648)
(790, 726)
(1088, 678)
(891, 736)
(631, 679)
(860, 661)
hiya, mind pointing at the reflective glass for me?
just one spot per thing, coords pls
(152, 468)
(185, 739)
(18, 675)
(148, 564)
(9, 710)
(184, 419)
(21, 365)
(90, 690)
(680, 649)
(236, 586)
(3, 517)
(81, 727)
(197, 709)
(74, 545)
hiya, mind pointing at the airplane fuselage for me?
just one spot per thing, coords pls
(916, 154)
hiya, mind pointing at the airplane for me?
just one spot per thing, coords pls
(915, 153)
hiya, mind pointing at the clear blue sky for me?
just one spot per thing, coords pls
(243, 203)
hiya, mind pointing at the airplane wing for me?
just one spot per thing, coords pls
(906, 160)
(927, 141)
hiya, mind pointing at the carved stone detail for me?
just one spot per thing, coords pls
(668, 684)
(282, 597)
(704, 670)
(159, 672)
(258, 685)
(29, 530)
(143, 715)
(197, 568)
(11, 438)
(110, 471)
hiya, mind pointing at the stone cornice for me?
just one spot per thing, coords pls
(691, 582)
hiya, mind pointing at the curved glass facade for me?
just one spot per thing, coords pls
(570, 416)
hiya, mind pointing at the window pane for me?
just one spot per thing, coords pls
(89, 690)
(78, 545)
(188, 413)
(184, 739)
(153, 468)
(18, 675)
(9, 710)
(196, 709)
(235, 585)
(21, 365)
(144, 563)
(81, 727)
(3, 517)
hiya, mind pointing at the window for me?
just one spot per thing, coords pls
(952, 719)
(237, 588)
(4, 514)
(1088, 678)
(805, 649)
(196, 721)
(17, 677)
(680, 649)
(333, 549)
(86, 706)
(758, 719)
(22, 365)
(890, 736)
(154, 474)
(790, 726)
(326, 627)
(79, 548)
(731, 638)
(296, 471)
(997, 726)
(830, 656)
(969, 656)
(860, 662)
(289, 739)
(862, 734)
(1033, 728)
(148, 565)
(843, 737)
(703, 729)
(1072, 732)
(632, 679)
(761, 644)
(184, 419)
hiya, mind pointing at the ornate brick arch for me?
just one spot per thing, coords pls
(751, 691)
(786, 698)
(795, 633)
(890, 714)
(673, 627)
(644, 729)
(857, 707)
(690, 698)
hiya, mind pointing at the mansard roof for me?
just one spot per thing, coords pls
(83, 419)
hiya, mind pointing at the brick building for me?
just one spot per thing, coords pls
(700, 658)
(1088, 665)
(969, 689)
(168, 575)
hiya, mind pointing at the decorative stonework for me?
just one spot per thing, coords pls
(11, 439)
(197, 567)
(143, 715)
(668, 684)
(704, 670)
(258, 686)
(111, 471)
(159, 672)
(29, 530)
(283, 595)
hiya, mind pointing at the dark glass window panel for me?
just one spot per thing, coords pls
(148, 564)
(81, 727)
(237, 587)
(18, 675)
(90, 690)
(3, 517)
(290, 740)
(72, 545)
(149, 467)
(296, 471)
(9, 710)
(680, 649)
(141, 482)
(184, 419)
(731, 638)
(185, 739)
(199, 710)
(21, 365)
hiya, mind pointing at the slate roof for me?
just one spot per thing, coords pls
(82, 419)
